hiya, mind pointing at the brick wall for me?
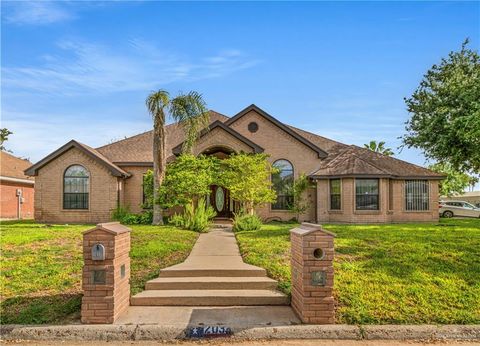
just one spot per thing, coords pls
(280, 145)
(312, 253)
(9, 200)
(104, 303)
(133, 188)
(397, 213)
(49, 191)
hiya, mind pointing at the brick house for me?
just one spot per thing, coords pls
(77, 183)
(16, 188)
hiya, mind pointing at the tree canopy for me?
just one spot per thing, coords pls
(188, 178)
(247, 176)
(455, 182)
(445, 112)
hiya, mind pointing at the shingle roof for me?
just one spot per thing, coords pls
(341, 159)
(138, 149)
(114, 169)
(356, 161)
(13, 167)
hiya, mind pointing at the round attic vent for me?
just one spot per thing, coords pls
(253, 127)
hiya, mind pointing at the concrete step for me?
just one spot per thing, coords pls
(221, 225)
(196, 272)
(208, 298)
(211, 282)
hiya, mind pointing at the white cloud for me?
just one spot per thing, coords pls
(35, 135)
(80, 67)
(36, 12)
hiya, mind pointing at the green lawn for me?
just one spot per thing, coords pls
(41, 265)
(401, 273)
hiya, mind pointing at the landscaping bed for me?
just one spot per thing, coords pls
(389, 274)
(41, 267)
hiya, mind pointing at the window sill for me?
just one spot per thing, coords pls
(367, 212)
(76, 210)
(417, 211)
(335, 211)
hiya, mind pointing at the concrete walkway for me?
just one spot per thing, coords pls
(216, 250)
(214, 274)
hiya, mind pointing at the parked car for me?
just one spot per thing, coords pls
(458, 208)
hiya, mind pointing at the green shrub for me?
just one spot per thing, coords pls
(246, 222)
(123, 215)
(119, 213)
(177, 220)
(194, 219)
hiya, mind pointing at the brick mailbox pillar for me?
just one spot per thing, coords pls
(106, 272)
(312, 274)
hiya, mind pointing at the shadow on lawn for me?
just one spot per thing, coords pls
(59, 308)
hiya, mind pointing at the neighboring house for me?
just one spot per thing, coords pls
(472, 197)
(16, 188)
(77, 183)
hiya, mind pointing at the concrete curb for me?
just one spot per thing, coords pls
(176, 332)
(421, 332)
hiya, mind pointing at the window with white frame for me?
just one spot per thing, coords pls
(416, 195)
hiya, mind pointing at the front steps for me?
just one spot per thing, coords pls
(211, 283)
(213, 275)
(208, 298)
(208, 272)
(210, 287)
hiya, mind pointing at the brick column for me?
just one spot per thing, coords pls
(106, 272)
(312, 274)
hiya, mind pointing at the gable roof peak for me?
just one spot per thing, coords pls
(320, 152)
(218, 123)
(89, 151)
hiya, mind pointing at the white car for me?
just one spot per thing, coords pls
(458, 208)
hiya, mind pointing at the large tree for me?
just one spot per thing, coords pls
(445, 112)
(247, 177)
(379, 148)
(191, 112)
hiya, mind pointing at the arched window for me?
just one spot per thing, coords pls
(282, 182)
(75, 187)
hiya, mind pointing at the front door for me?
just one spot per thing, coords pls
(220, 201)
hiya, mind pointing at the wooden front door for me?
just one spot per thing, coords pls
(220, 201)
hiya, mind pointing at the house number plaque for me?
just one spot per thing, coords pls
(98, 252)
(319, 278)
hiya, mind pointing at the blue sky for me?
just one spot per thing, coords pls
(82, 70)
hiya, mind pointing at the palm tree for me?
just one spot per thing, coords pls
(379, 148)
(191, 112)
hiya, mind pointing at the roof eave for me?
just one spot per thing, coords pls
(17, 180)
(358, 175)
